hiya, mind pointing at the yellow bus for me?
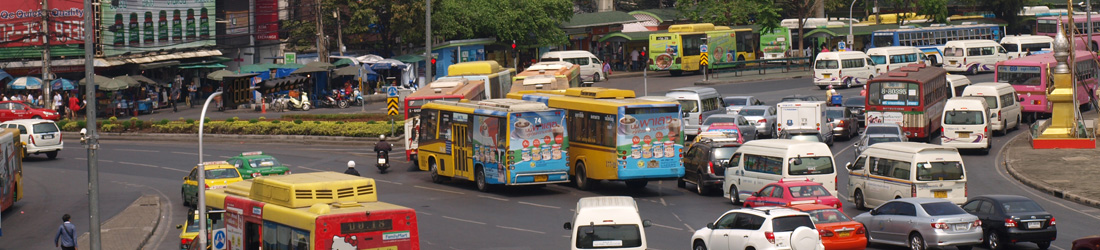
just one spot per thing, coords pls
(497, 79)
(679, 49)
(616, 136)
(494, 142)
(547, 76)
(311, 211)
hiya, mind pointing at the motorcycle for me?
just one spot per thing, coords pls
(356, 97)
(383, 161)
(284, 102)
(339, 99)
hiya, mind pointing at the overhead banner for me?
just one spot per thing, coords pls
(141, 25)
(21, 23)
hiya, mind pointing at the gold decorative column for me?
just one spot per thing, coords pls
(1063, 121)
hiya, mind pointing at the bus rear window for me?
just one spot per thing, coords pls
(878, 59)
(939, 171)
(883, 40)
(894, 94)
(811, 166)
(1019, 75)
(955, 117)
(953, 52)
(608, 236)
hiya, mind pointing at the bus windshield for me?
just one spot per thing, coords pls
(811, 166)
(939, 171)
(1018, 75)
(608, 236)
(413, 108)
(826, 64)
(883, 40)
(956, 117)
(894, 94)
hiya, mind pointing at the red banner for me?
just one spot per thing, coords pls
(267, 20)
(21, 23)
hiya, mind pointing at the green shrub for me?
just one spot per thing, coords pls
(316, 122)
(139, 124)
(339, 122)
(180, 119)
(62, 122)
(263, 118)
(109, 127)
(163, 121)
(71, 126)
(254, 121)
(275, 121)
(207, 120)
(190, 121)
(133, 119)
(113, 119)
(298, 121)
(231, 119)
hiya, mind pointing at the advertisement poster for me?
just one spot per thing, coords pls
(539, 142)
(267, 20)
(663, 51)
(650, 139)
(138, 26)
(884, 117)
(723, 46)
(489, 147)
(21, 23)
(776, 43)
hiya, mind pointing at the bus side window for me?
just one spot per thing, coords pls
(427, 124)
(445, 125)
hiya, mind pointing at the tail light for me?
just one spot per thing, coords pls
(818, 126)
(254, 175)
(998, 113)
(861, 230)
(966, 190)
(939, 225)
(1052, 221)
(186, 241)
(913, 187)
(700, 118)
(32, 139)
(838, 206)
(287, 172)
(825, 233)
(1010, 222)
(770, 236)
(964, 60)
(842, 123)
(762, 121)
(710, 167)
(977, 223)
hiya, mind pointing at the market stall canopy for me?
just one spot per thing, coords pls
(129, 80)
(409, 58)
(369, 58)
(143, 79)
(320, 64)
(309, 69)
(257, 67)
(343, 62)
(62, 84)
(365, 74)
(98, 80)
(217, 75)
(114, 84)
(4, 75)
(289, 66)
(26, 82)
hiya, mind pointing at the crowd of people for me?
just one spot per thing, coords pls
(62, 101)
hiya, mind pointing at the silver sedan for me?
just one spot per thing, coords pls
(921, 223)
(747, 127)
(764, 115)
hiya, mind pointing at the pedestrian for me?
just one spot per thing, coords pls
(351, 169)
(58, 102)
(175, 98)
(5, 97)
(74, 105)
(31, 99)
(192, 94)
(66, 234)
(824, 48)
(1029, 51)
(606, 69)
(634, 60)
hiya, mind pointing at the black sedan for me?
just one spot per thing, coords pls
(857, 106)
(1012, 218)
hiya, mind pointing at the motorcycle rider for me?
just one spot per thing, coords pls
(351, 169)
(383, 147)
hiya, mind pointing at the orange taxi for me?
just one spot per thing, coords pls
(838, 231)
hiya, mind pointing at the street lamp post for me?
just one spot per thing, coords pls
(202, 175)
(851, 40)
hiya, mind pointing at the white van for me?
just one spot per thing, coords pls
(965, 125)
(893, 57)
(972, 56)
(958, 84)
(607, 222)
(1004, 111)
(892, 170)
(845, 68)
(591, 66)
(697, 103)
(1024, 45)
(760, 162)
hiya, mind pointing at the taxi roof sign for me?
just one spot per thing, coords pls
(215, 163)
(252, 153)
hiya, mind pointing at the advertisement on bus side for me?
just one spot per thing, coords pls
(723, 46)
(538, 142)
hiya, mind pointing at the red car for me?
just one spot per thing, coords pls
(787, 192)
(838, 231)
(14, 110)
(1087, 243)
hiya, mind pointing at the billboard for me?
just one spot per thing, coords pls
(139, 25)
(267, 20)
(21, 23)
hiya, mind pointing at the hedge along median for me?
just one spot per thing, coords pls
(250, 127)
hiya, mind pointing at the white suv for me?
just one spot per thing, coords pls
(38, 135)
(762, 228)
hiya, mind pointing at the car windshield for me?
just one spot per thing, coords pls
(608, 236)
(789, 223)
(964, 118)
(222, 173)
(724, 152)
(1021, 207)
(689, 106)
(719, 119)
(808, 191)
(834, 113)
(882, 130)
(736, 101)
(45, 127)
(939, 171)
(826, 64)
(264, 162)
(874, 140)
(942, 208)
(830, 215)
(811, 166)
(752, 112)
(854, 102)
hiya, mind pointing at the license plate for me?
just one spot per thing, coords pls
(961, 227)
(940, 194)
(1034, 225)
(381, 160)
(47, 136)
(826, 75)
(845, 234)
(541, 178)
(964, 134)
(954, 62)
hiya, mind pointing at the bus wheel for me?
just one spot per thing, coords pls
(637, 184)
(479, 177)
(433, 171)
(581, 179)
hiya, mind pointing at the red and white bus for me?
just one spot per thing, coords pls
(311, 211)
(1048, 26)
(1029, 76)
(912, 97)
(449, 89)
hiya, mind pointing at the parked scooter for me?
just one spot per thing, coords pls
(335, 100)
(382, 149)
(284, 102)
(356, 97)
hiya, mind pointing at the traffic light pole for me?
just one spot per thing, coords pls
(428, 42)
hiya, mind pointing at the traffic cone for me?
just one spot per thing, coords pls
(263, 108)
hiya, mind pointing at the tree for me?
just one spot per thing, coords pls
(800, 9)
(935, 10)
(531, 23)
(731, 12)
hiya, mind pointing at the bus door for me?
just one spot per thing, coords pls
(461, 149)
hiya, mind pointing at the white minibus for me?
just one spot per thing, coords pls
(760, 162)
(892, 170)
(1004, 111)
(958, 83)
(697, 103)
(965, 124)
(1025, 45)
(607, 222)
(845, 68)
(972, 56)
(893, 57)
(591, 67)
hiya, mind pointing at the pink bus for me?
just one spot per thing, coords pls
(1028, 75)
(1048, 26)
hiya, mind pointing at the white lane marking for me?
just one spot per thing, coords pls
(521, 229)
(682, 221)
(222, 156)
(81, 158)
(390, 182)
(314, 169)
(462, 220)
(1058, 247)
(846, 148)
(107, 161)
(139, 150)
(538, 205)
(490, 197)
(436, 189)
(1027, 188)
(185, 153)
(669, 227)
(425, 213)
(177, 170)
(137, 164)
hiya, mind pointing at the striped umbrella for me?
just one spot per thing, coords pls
(26, 82)
(62, 84)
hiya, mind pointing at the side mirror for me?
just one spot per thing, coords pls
(848, 165)
(179, 226)
(647, 223)
(185, 178)
(710, 225)
(568, 226)
(756, 194)
(874, 211)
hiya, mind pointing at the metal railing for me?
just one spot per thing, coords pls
(760, 66)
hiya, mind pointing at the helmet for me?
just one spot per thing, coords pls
(382, 137)
(351, 164)
(830, 86)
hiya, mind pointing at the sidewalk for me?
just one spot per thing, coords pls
(131, 228)
(1063, 173)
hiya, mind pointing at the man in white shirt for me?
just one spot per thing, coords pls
(634, 60)
(57, 103)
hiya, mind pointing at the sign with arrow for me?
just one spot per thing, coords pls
(391, 106)
(703, 59)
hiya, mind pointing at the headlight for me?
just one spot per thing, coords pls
(50, 113)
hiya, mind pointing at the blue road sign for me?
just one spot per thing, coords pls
(703, 48)
(219, 239)
(392, 91)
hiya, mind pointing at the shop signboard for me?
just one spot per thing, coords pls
(139, 26)
(21, 23)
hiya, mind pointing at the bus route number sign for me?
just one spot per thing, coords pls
(366, 226)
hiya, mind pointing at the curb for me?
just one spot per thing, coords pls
(156, 224)
(1043, 187)
(304, 139)
(707, 83)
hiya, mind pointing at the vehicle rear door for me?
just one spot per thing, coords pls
(722, 235)
(46, 134)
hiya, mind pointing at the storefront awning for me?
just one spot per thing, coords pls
(205, 66)
(160, 64)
